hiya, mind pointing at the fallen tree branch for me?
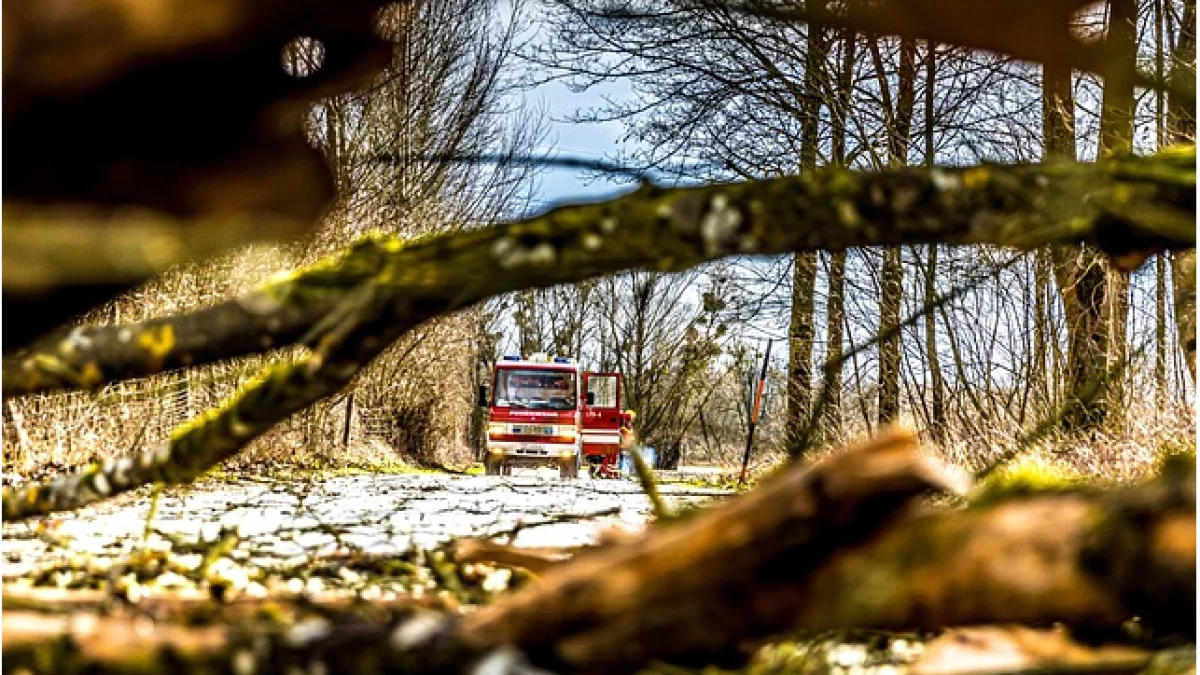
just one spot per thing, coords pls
(343, 343)
(1127, 207)
(830, 548)
(836, 545)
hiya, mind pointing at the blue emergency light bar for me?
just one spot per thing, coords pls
(512, 358)
(562, 359)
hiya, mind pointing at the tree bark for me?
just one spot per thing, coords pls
(801, 331)
(1181, 128)
(891, 275)
(835, 316)
(936, 384)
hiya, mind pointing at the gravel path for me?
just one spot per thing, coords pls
(379, 514)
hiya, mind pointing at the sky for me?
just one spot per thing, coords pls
(570, 139)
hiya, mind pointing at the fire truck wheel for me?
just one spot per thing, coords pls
(569, 468)
(493, 467)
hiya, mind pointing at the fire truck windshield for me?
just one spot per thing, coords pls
(535, 389)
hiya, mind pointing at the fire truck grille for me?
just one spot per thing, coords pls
(534, 430)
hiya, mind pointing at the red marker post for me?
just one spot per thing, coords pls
(762, 380)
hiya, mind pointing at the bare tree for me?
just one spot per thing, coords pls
(937, 413)
(835, 304)
(899, 112)
(801, 330)
(1181, 128)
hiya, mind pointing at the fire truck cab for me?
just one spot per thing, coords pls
(545, 411)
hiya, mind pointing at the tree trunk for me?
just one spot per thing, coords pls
(835, 314)
(1095, 296)
(804, 270)
(1160, 331)
(1078, 270)
(937, 420)
(835, 321)
(800, 343)
(891, 276)
(936, 383)
(529, 333)
(1181, 128)
(1116, 136)
(1183, 268)
(1160, 261)
(1041, 373)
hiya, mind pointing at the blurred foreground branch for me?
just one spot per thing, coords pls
(1030, 30)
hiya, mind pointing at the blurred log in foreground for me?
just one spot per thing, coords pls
(840, 544)
(148, 133)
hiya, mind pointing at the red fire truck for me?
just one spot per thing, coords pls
(545, 411)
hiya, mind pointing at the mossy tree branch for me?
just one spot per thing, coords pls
(347, 311)
(350, 336)
(1128, 207)
(278, 313)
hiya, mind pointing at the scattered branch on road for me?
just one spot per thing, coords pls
(536, 560)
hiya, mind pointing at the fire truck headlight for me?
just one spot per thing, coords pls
(496, 428)
(566, 431)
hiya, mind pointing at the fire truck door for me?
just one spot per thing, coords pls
(601, 413)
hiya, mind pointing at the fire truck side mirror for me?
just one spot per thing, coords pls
(591, 398)
(481, 398)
